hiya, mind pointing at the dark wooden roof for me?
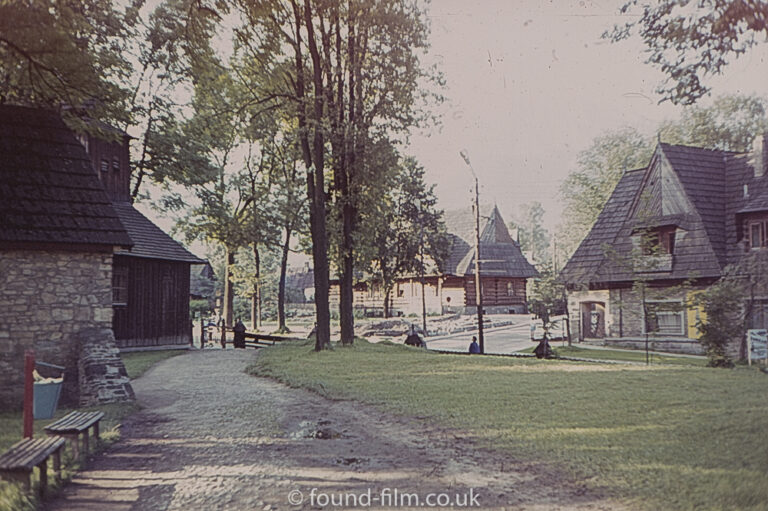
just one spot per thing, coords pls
(702, 173)
(585, 263)
(49, 193)
(149, 240)
(700, 191)
(500, 255)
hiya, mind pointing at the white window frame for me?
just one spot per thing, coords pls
(680, 313)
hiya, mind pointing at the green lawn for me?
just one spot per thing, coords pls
(621, 355)
(661, 437)
(138, 362)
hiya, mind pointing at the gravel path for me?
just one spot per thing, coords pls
(211, 437)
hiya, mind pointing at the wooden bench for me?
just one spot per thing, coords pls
(72, 425)
(17, 463)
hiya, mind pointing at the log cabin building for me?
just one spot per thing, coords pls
(151, 281)
(667, 232)
(504, 273)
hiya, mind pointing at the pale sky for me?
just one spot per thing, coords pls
(530, 84)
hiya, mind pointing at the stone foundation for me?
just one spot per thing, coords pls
(102, 375)
(667, 345)
(46, 299)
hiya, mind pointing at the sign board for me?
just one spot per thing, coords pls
(757, 342)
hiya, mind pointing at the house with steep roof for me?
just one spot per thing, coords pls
(151, 281)
(667, 232)
(58, 233)
(504, 272)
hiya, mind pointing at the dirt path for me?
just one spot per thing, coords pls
(213, 438)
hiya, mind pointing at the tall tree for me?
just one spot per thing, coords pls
(690, 40)
(352, 79)
(407, 230)
(534, 238)
(730, 123)
(373, 50)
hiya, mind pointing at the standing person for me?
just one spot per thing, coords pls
(474, 348)
(239, 331)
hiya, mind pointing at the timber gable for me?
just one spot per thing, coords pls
(683, 219)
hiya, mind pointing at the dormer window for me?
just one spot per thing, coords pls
(659, 241)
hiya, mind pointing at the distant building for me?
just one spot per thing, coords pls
(504, 273)
(685, 217)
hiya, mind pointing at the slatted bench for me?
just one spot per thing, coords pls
(72, 425)
(17, 463)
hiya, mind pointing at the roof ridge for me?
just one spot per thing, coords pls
(700, 148)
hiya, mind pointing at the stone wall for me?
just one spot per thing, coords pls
(46, 299)
(101, 371)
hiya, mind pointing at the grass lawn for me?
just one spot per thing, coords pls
(138, 362)
(622, 355)
(662, 437)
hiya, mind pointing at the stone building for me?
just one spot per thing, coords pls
(58, 234)
(668, 231)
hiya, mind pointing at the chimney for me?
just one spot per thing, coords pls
(758, 159)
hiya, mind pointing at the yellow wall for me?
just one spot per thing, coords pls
(694, 313)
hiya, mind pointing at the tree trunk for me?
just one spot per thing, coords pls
(281, 285)
(229, 289)
(387, 294)
(315, 162)
(346, 280)
(344, 174)
(256, 296)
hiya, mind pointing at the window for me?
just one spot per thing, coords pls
(510, 289)
(759, 319)
(659, 241)
(105, 165)
(116, 164)
(119, 286)
(757, 230)
(664, 317)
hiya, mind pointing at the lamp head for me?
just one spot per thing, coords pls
(465, 155)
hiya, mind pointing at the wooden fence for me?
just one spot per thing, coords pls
(210, 334)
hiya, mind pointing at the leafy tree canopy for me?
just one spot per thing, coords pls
(66, 53)
(690, 40)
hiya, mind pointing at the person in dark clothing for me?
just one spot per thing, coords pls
(414, 339)
(543, 350)
(239, 330)
(474, 348)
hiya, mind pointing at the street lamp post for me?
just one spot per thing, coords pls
(478, 288)
(421, 253)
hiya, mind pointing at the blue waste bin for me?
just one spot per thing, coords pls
(46, 399)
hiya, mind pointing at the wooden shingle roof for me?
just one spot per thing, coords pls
(149, 240)
(702, 173)
(591, 254)
(49, 193)
(700, 191)
(500, 255)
